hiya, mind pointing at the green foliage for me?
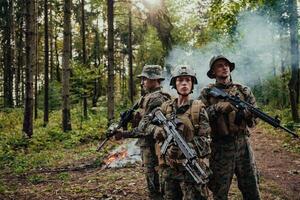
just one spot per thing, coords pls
(36, 179)
(48, 145)
(54, 96)
(3, 188)
(82, 81)
(273, 92)
(64, 176)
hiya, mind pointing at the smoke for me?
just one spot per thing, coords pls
(255, 52)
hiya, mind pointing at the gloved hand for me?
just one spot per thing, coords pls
(224, 107)
(174, 152)
(159, 134)
(247, 114)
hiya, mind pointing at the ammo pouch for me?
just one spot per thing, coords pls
(221, 126)
(202, 146)
(226, 124)
(234, 127)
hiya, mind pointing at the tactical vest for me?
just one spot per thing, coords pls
(189, 119)
(225, 124)
(146, 105)
(192, 113)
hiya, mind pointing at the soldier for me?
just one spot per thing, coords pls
(194, 127)
(231, 151)
(151, 78)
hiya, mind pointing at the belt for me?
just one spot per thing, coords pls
(228, 138)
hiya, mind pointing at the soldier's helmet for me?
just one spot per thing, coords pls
(183, 70)
(210, 73)
(152, 72)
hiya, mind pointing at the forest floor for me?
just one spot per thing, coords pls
(279, 177)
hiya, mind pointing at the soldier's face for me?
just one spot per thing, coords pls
(184, 85)
(149, 83)
(221, 69)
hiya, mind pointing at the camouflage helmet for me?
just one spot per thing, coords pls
(213, 60)
(152, 72)
(183, 70)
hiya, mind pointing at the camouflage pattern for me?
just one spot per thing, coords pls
(152, 72)
(231, 151)
(212, 62)
(182, 70)
(152, 99)
(177, 182)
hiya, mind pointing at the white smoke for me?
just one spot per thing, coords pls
(255, 52)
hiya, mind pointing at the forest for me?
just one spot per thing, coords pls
(69, 68)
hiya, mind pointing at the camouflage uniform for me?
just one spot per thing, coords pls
(152, 99)
(177, 183)
(231, 150)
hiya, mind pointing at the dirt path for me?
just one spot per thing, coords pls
(276, 164)
(279, 170)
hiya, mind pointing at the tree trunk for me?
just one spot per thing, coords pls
(36, 65)
(14, 49)
(66, 115)
(51, 40)
(294, 81)
(46, 74)
(84, 57)
(30, 65)
(7, 54)
(97, 61)
(19, 60)
(110, 58)
(131, 86)
(58, 79)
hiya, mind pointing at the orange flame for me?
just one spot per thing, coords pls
(116, 156)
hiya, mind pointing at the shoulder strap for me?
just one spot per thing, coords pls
(195, 112)
(167, 107)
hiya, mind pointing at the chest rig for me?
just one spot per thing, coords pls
(231, 123)
(188, 115)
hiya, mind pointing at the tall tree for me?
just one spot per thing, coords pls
(162, 23)
(84, 56)
(30, 65)
(51, 39)
(19, 49)
(97, 60)
(131, 86)
(110, 58)
(294, 81)
(46, 68)
(66, 115)
(58, 79)
(7, 9)
(37, 73)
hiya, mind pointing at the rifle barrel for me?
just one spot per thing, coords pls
(289, 131)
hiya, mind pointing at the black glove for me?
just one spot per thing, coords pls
(224, 107)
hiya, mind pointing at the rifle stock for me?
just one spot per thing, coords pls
(125, 117)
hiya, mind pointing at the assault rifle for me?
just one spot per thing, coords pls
(125, 117)
(199, 173)
(241, 105)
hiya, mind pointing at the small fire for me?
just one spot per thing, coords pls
(116, 156)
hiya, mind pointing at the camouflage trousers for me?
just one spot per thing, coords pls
(180, 185)
(229, 157)
(150, 162)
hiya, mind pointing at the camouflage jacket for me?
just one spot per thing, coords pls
(152, 99)
(224, 124)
